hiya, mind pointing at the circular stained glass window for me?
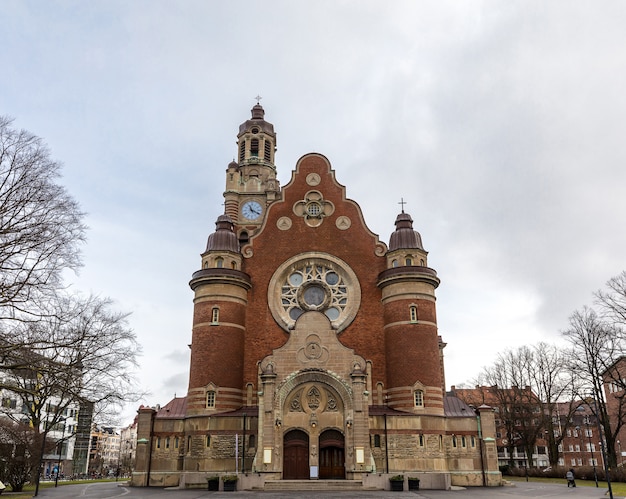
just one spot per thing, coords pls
(332, 313)
(332, 278)
(295, 279)
(313, 209)
(314, 282)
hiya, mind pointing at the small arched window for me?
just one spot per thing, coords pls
(408, 261)
(254, 147)
(208, 440)
(377, 440)
(394, 263)
(453, 440)
(252, 442)
(210, 399)
(419, 398)
(219, 262)
(421, 440)
(413, 313)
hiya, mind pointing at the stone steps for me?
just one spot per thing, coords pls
(320, 485)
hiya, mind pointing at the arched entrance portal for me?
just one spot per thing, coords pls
(296, 455)
(332, 455)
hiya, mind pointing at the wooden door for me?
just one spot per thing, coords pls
(332, 456)
(296, 456)
(332, 463)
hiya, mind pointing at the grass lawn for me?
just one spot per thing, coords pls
(619, 488)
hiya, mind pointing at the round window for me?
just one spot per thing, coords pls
(314, 282)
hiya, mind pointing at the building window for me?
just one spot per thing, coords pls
(215, 315)
(413, 313)
(208, 440)
(167, 442)
(254, 147)
(210, 399)
(473, 441)
(268, 150)
(394, 263)
(219, 262)
(419, 398)
(189, 443)
(242, 151)
(176, 443)
(377, 441)
(463, 441)
(158, 442)
(408, 261)
(421, 440)
(453, 440)
(8, 403)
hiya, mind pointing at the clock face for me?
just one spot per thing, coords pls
(252, 210)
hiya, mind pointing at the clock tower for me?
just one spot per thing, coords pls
(251, 183)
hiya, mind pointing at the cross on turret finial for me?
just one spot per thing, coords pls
(402, 202)
(258, 99)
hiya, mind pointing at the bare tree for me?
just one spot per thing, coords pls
(518, 406)
(613, 301)
(41, 225)
(528, 385)
(20, 446)
(556, 388)
(85, 351)
(596, 345)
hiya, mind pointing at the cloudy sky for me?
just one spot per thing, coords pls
(502, 124)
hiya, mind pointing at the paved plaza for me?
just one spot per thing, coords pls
(518, 490)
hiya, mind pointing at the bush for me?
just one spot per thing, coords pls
(397, 478)
(229, 478)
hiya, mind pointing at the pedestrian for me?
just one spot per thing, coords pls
(570, 478)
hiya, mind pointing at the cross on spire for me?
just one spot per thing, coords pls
(258, 99)
(402, 202)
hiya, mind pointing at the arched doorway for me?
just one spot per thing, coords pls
(332, 455)
(296, 455)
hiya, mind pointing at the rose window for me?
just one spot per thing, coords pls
(321, 283)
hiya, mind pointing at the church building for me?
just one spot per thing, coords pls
(315, 353)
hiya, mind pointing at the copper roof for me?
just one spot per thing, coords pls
(224, 237)
(404, 237)
(454, 407)
(175, 408)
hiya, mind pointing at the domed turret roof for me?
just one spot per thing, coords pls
(257, 120)
(224, 237)
(404, 237)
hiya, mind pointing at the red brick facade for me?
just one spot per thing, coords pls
(311, 331)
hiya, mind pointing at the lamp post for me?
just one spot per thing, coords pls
(56, 479)
(593, 461)
(603, 449)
